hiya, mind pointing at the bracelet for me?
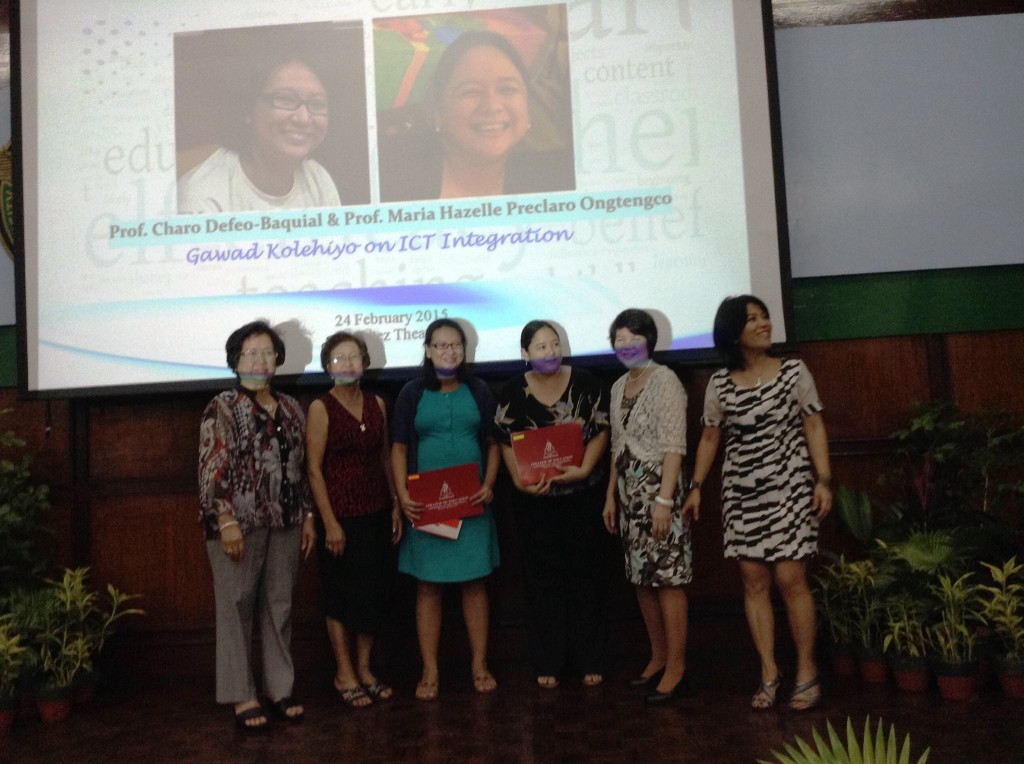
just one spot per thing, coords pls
(694, 485)
(663, 501)
(309, 515)
(228, 524)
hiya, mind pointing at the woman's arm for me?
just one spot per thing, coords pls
(535, 489)
(817, 444)
(492, 459)
(592, 454)
(611, 508)
(400, 469)
(216, 463)
(710, 437)
(661, 512)
(317, 425)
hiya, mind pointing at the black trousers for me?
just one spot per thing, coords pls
(565, 579)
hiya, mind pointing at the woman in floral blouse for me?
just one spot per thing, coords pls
(559, 518)
(256, 510)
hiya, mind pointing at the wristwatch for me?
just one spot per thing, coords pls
(692, 485)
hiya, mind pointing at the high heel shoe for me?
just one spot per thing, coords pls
(682, 689)
(643, 682)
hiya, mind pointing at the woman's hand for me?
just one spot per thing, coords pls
(484, 496)
(610, 515)
(570, 474)
(692, 505)
(396, 523)
(232, 542)
(541, 488)
(661, 518)
(308, 535)
(411, 509)
(334, 538)
(822, 499)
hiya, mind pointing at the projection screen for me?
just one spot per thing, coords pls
(186, 167)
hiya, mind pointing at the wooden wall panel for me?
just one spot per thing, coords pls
(50, 449)
(986, 370)
(868, 386)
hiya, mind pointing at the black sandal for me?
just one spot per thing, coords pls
(256, 712)
(280, 709)
(764, 696)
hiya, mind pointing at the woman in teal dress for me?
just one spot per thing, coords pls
(441, 420)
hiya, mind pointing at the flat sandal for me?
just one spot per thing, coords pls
(768, 691)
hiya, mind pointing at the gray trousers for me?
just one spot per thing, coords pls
(261, 584)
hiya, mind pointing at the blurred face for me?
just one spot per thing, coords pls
(544, 352)
(289, 119)
(757, 333)
(484, 110)
(346, 364)
(257, 361)
(630, 349)
(446, 351)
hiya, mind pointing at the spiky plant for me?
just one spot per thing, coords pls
(871, 748)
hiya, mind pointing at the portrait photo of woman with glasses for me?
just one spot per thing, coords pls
(274, 122)
(443, 419)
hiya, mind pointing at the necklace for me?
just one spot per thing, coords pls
(640, 376)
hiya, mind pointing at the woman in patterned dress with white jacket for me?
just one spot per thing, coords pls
(643, 502)
(771, 501)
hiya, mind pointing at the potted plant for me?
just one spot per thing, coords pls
(12, 659)
(953, 635)
(905, 642)
(866, 615)
(832, 598)
(22, 503)
(1003, 608)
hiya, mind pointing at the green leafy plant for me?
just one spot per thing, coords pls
(870, 747)
(1002, 605)
(865, 603)
(12, 655)
(22, 502)
(959, 613)
(855, 512)
(833, 599)
(73, 625)
(904, 631)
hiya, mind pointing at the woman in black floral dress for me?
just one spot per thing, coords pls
(559, 518)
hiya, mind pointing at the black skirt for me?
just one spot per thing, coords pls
(357, 585)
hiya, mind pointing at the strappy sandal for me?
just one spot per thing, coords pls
(764, 696)
(351, 696)
(251, 714)
(805, 696)
(280, 709)
(378, 690)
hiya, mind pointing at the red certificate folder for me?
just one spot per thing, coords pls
(446, 493)
(541, 452)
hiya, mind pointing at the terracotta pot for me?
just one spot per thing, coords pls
(1011, 678)
(53, 703)
(84, 687)
(871, 665)
(911, 673)
(844, 665)
(956, 681)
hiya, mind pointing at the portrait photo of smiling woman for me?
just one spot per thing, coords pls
(271, 118)
(474, 104)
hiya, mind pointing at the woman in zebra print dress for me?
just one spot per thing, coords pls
(771, 502)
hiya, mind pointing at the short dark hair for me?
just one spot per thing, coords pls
(526, 337)
(429, 373)
(464, 43)
(730, 320)
(233, 347)
(638, 322)
(336, 339)
(237, 132)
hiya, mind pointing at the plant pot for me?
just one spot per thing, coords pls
(844, 665)
(53, 702)
(911, 672)
(1011, 677)
(956, 681)
(8, 711)
(84, 687)
(871, 666)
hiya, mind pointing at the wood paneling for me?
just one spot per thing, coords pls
(986, 370)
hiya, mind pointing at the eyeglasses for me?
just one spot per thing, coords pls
(291, 102)
(350, 358)
(253, 354)
(442, 346)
